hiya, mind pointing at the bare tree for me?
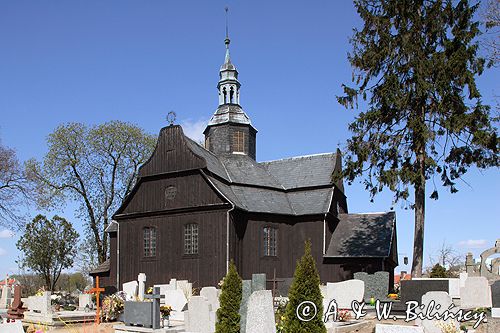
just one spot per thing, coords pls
(448, 257)
(491, 38)
(14, 187)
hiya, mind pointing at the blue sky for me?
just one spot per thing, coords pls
(95, 61)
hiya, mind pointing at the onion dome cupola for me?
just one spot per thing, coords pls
(230, 131)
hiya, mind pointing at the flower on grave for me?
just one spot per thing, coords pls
(165, 310)
(449, 327)
(393, 296)
(112, 306)
(221, 282)
(40, 292)
(343, 315)
(150, 291)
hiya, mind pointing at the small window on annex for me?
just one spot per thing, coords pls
(270, 241)
(191, 238)
(149, 236)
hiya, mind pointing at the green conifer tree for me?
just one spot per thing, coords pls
(438, 271)
(228, 316)
(305, 287)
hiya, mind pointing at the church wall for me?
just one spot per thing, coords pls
(204, 269)
(172, 192)
(292, 234)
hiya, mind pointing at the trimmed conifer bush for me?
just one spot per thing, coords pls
(228, 316)
(305, 287)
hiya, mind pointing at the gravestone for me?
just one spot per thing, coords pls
(384, 328)
(495, 299)
(453, 285)
(444, 300)
(284, 287)
(12, 327)
(476, 293)
(5, 299)
(141, 279)
(246, 291)
(40, 304)
(200, 317)
(462, 277)
(345, 292)
(130, 289)
(177, 300)
(413, 290)
(85, 301)
(212, 295)
(260, 314)
(258, 282)
(376, 285)
(16, 309)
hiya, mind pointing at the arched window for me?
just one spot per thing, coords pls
(224, 92)
(270, 241)
(191, 238)
(149, 237)
(231, 95)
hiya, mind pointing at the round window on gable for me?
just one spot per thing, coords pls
(170, 192)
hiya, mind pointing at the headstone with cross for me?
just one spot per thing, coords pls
(155, 297)
(97, 291)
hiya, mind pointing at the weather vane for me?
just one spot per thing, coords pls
(171, 116)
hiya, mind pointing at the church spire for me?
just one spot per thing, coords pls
(230, 131)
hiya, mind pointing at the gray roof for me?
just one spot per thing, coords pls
(363, 235)
(232, 113)
(112, 227)
(102, 268)
(303, 171)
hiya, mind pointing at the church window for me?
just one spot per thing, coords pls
(191, 238)
(239, 142)
(270, 241)
(149, 235)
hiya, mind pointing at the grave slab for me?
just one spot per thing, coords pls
(441, 298)
(345, 292)
(260, 315)
(200, 317)
(130, 289)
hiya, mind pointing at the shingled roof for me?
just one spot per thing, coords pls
(363, 235)
(292, 186)
(102, 268)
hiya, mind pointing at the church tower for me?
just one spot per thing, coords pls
(230, 131)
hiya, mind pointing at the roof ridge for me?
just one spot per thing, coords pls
(211, 153)
(298, 157)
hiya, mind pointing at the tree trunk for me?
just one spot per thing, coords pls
(418, 237)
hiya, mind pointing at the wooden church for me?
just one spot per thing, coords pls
(194, 208)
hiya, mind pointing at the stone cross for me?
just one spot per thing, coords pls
(97, 291)
(142, 285)
(155, 322)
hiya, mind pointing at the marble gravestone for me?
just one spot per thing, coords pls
(476, 293)
(178, 301)
(12, 327)
(345, 292)
(212, 295)
(85, 301)
(260, 313)
(5, 299)
(453, 285)
(495, 299)
(384, 328)
(258, 282)
(376, 285)
(199, 317)
(141, 278)
(40, 304)
(130, 289)
(186, 287)
(444, 300)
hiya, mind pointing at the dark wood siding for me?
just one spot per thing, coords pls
(205, 269)
(171, 154)
(191, 190)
